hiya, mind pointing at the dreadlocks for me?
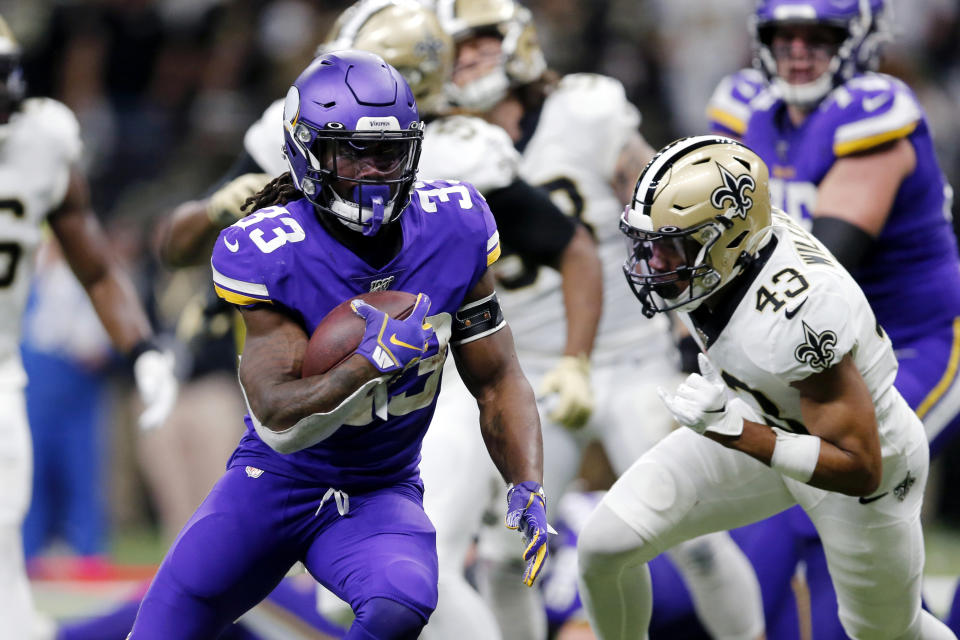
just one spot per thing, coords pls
(280, 190)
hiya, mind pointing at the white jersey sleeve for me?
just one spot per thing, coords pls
(264, 140)
(596, 116)
(469, 149)
(55, 134)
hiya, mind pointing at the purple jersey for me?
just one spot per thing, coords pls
(282, 256)
(911, 274)
(728, 109)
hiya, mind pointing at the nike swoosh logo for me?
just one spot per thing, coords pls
(872, 499)
(401, 343)
(792, 312)
(234, 246)
(874, 103)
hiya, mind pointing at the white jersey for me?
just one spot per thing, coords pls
(264, 140)
(573, 154)
(469, 149)
(800, 314)
(37, 149)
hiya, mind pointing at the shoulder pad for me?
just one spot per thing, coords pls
(53, 124)
(815, 337)
(247, 251)
(728, 109)
(586, 99)
(468, 209)
(470, 149)
(264, 140)
(870, 110)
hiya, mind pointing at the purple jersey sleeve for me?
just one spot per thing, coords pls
(728, 109)
(871, 110)
(248, 255)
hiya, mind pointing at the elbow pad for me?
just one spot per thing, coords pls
(317, 427)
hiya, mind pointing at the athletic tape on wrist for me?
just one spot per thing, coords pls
(795, 455)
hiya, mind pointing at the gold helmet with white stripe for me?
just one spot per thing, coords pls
(408, 36)
(522, 59)
(700, 212)
(12, 85)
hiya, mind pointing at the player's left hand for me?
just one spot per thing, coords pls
(527, 513)
(700, 402)
(569, 382)
(154, 372)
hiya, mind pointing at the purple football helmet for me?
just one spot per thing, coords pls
(861, 27)
(352, 138)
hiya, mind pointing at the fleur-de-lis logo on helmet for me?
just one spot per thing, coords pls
(816, 351)
(734, 189)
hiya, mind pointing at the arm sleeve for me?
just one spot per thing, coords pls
(530, 223)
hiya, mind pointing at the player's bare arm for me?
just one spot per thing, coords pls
(270, 372)
(634, 156)
(856, 197)
(508, 411)
(582, 275)
(87, 250)
(837, 408)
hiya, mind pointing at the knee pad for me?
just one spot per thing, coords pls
(607, 541)
(384, 619)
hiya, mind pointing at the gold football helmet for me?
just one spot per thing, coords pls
(522, 58)
(700, 213)
(408, 36)
(12, 84)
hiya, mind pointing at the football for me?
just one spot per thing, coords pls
(340, 332)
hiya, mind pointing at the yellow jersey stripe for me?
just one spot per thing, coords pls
(852, 146)
(493, 255)
(728, 120)
(239, 298)
(948, 377)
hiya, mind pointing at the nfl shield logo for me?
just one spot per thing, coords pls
(253, 472)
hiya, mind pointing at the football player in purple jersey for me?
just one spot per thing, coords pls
(326, 473)
(850, 154)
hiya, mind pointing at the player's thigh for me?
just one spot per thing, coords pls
(630, 416)
(930, 385)
(687, 485)
(458, 475)
(16, 464)
(384, 547)
(875, 551)
(231, 553)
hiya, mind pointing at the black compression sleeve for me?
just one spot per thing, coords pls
(847, 242)
(529, 223)
(243, 164)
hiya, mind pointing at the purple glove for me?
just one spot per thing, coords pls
(392, 344)
(527, 512)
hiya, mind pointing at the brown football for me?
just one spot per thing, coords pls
(339, 333)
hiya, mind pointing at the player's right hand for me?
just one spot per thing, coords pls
(527, 513)
(157, 383)
(224, 206)
(700, 402)
(569, 384)
(391, 344)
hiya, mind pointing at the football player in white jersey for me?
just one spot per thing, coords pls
(40, 183)
(459, 477)
(794, 402)
(579, 138)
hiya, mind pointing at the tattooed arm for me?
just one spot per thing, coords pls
(634, 156)
(508, 412)
(270, 372)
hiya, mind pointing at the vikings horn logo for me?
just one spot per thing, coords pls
(816, 350)
(733, 189)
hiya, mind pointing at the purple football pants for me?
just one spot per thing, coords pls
(254, 525)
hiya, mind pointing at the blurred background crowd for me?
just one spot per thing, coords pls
(164, 90)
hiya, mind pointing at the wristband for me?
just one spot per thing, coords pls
(795, 455)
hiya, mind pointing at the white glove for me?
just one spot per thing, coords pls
(700, 402)
(570, 382)
(223, 207)
(157, 384)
